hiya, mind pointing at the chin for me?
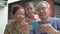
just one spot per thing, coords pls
(43, 17)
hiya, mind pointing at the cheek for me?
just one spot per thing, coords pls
(23, 16)
(17, 17)
(47, 13)
(33, 10)
(20, 17)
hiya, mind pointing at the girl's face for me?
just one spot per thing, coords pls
(19, 15)
(30, 9)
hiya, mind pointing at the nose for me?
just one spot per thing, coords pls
(41, 11)
(29, 10)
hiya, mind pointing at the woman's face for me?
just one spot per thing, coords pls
(19, 15)
(30, 9)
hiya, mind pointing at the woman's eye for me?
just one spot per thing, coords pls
(22, 14)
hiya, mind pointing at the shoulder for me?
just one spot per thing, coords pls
(58, 19)
(8, 28)
(9, 25)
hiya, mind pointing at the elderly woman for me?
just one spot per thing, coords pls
(19, 26)
(48, 25)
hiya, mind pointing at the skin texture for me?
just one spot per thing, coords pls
(30, 10)
(43, 13)
(22, 25)
(19, 15)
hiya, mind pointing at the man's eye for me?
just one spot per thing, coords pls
(43, 8)
(39, 9)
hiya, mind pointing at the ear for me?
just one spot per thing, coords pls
(50, 11)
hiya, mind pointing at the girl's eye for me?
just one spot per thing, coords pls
(31, 8)
(23, 14)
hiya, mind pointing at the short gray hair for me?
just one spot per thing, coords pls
(46, 4)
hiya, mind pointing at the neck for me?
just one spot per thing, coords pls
(46, 19)
(19, 22)
(31, 16)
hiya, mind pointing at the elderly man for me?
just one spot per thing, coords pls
(48, 25)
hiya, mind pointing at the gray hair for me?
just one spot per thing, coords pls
(46, 4)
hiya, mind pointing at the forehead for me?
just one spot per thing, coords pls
(42, 5)
(30, 5)
(20, 11)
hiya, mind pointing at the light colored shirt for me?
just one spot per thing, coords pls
(55, 22)
(36, 18)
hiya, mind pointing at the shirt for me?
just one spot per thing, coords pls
(36, 18)
(55, 22)
(11, 29)
(28, 20)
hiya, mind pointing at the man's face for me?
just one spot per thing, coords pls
(43, 11)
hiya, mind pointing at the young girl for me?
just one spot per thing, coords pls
(30, 9)
(31, 17)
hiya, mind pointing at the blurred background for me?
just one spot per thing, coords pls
(6, 10)
(55, 6)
